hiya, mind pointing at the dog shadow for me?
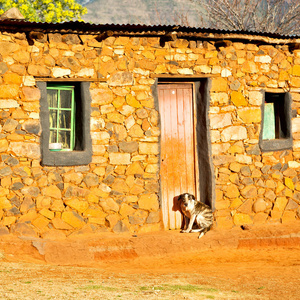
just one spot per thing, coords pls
(176, 207)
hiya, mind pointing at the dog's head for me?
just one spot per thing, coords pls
(187, 201)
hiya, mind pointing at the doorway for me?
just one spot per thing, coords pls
(184, 147)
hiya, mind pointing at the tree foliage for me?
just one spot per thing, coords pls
(46, 10)
(280, 16)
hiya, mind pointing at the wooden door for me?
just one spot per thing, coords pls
(178, 172)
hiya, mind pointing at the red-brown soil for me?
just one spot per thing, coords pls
(258, 263)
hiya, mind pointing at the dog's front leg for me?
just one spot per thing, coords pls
(186, 222)
(185, 226)
(190, 226)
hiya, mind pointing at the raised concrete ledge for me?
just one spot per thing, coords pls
(92, 250)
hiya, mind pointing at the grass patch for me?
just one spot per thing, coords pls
(97, 287)
(177, 287)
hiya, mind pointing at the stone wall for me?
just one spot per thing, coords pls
(119, 190)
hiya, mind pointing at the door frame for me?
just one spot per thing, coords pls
(177, 174)
(205, 180)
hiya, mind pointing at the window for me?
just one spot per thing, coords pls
(276, 122)
(61, 104)
(65, 120)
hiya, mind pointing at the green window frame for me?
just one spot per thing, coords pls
(61, 104)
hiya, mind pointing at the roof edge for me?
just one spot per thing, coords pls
(146, 30)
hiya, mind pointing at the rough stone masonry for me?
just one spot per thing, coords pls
(119, 190)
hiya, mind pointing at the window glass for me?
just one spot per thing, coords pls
(52, 98)
(269, 122)
(53, 118)
(53, 136)
(66, 98)
(64, 137)
(65, 119)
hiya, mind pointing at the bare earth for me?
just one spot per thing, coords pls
(236, 264)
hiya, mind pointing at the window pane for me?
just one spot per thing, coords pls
(65, 99)
(52, 98)
(65, 119)
(64, 138)
(269, 122)
(53, 118)
(53, 136)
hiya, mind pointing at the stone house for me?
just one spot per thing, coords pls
(102, 126)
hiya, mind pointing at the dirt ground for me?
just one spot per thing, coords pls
(243, 268)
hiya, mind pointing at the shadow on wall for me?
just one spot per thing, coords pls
(176, 207)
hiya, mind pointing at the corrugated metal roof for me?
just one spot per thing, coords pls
(84, 28)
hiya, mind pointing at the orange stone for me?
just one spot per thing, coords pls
(113, 220)
(219, 195)
(95, 220)
(134, 169)
(52, 191)
(77, 204)
(47, 213)
(73, 219)
(132, 101)
(60, 224)
(219, 85)
(250, 67)
(40, 222)
(295, 82)
(126, 210)
(232, 191)
(3, 145)
(149, 202)
(235, 203)
(260, 218)
(12, 78)
(289, 183)
(8, 221)
(116, 117)
(250, 115)
(296, 70)
(9, 91)
(95, 212)
(280, 204)
(5, 203)
(222, 204)
(57, 205)
(238, 99)
(242, 219)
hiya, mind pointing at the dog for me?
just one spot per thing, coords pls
(195, 212)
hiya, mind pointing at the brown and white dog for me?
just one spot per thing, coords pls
(195, 212)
